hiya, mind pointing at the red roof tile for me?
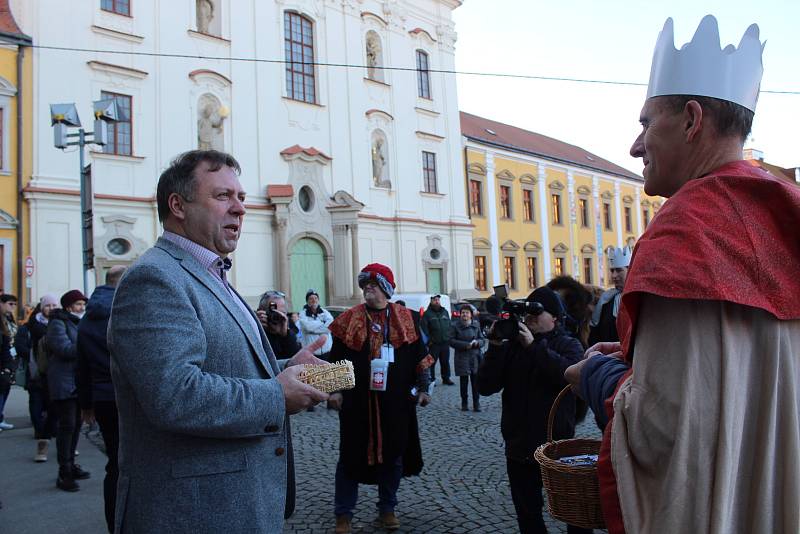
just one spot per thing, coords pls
(280, 191)
(8, 25)
(779, 172)
(519, 140)
(297, 149)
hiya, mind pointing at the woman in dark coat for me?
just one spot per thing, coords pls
(62, 348)
(8, 354)
(467, 340)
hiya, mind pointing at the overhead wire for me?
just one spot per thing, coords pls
(357, 66)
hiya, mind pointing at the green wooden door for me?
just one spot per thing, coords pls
(308, 272)
(435, 281)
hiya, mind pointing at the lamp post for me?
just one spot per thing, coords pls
(63, 117)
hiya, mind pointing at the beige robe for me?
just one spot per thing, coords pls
(706, 434)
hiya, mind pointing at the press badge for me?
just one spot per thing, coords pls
(379, 374)
(387, 353)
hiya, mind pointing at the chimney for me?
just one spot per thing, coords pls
(753, 154)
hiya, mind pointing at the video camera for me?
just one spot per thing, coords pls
(514, 311)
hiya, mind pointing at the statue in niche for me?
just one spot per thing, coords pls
(374, 57)
(210, 117)
(379, 170)
(205, 14)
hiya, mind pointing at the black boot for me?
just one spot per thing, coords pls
(65, 480)
(78, 473)
(464, 405)
(476, 405)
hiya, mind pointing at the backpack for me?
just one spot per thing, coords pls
(42, 355)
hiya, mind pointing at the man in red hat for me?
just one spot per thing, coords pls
(378, 433)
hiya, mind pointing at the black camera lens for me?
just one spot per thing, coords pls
(533, 308)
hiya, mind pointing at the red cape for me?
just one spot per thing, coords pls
(732, 235)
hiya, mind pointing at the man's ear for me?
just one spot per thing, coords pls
(692, 120)
(177, 206)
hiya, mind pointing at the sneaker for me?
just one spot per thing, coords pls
(343, 525)
(5, 426)
(448, 382)
(79, 474)
(389, 521)
(41, 451)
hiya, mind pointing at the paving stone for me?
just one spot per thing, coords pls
(463, 487)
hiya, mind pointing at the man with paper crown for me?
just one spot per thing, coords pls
(604, 318)
(705, 424)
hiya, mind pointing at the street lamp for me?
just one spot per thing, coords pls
(63, 117)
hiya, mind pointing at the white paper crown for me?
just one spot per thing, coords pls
(619, 257)
(702, 68)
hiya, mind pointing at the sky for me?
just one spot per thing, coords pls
(613, 40)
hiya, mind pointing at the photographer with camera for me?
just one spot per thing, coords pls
(274, 317)
(527, 356)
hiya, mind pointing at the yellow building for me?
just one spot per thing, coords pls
(541, 207)
(15, 156)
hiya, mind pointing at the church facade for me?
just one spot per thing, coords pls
(346, 160)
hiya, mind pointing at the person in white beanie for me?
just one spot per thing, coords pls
(604, 318)
(314, 322)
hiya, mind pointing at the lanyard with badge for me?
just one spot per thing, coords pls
(379, 367)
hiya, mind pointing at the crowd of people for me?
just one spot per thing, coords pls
(689, 362)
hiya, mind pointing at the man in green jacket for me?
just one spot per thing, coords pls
(435, 323)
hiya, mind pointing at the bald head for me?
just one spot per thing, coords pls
(114, 274)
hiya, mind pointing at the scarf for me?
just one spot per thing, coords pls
(360, 325)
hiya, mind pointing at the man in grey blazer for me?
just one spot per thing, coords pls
(205, 444)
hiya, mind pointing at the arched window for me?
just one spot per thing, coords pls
(298, 34)
(423, 75)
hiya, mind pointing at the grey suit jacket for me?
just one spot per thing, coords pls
(204, 436)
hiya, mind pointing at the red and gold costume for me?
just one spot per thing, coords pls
(705, 429)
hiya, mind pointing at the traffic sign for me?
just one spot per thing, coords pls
(29, 266)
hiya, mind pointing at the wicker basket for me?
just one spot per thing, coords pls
(573, 492)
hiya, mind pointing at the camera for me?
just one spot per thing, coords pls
(514, 311)
(273, 315)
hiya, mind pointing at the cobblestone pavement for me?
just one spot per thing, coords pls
(462, 488)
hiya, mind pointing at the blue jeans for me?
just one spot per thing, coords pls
(3, 397)
(346, 489)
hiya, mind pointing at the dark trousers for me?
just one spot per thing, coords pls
(69, 430)
(440, 352)
(346, 489)
(105, 412)
(43, 416)
(525, 480)
(465, 382)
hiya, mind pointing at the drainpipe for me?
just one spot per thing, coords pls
(466, 177)
(20, 267)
